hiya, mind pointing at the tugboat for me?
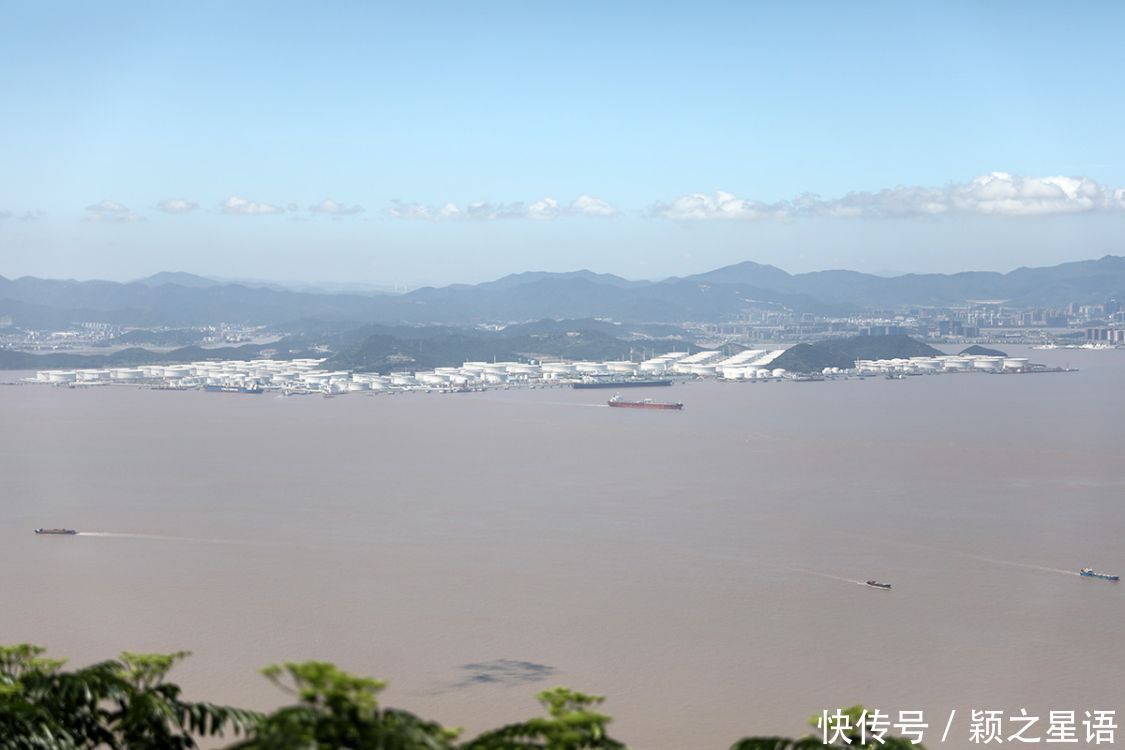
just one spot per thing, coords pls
(1091, 573)
(67, 532)
(648, 403)
(877, 585)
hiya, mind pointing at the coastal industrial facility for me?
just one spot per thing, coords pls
(950, 363)
(306, 376)
(299, 376)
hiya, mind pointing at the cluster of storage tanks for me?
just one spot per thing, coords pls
(305, 375)
(946, 363)
(194, 375)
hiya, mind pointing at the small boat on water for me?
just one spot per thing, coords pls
(877, 585)
(648, 403)
(1091, 573)
(68, 532)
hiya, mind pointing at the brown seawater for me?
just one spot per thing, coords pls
(703, 569)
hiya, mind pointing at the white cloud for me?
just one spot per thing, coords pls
(411, 211)
(702, 207)
(540, 210)
(901, 201)
(110, 211)
(1118, 200)
(586, 205)
(548, 208)
(332, 208)
(243, 207)
(996, 194)
(486, 211)
(31, 215)
(420, 211)
(177, 206)
(1005, 194)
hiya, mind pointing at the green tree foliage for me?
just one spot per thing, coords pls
(571, 723)
(778, 743)
(337, 710)
(122, 704)
(856, 732)
(128, 704)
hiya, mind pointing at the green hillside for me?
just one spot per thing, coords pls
(844, 352)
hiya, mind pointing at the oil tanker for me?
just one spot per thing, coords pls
(620, 403)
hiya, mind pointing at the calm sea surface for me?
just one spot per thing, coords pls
(703, 569)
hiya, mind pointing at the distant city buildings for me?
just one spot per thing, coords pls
(981, 321)
(1106, 335)
(85, 335)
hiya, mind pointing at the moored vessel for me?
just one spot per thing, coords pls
(647, 403)
(61, 532)
(216, 388)
(877, 585)
(620, 383)
(1091, 573)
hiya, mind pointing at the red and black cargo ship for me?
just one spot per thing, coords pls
(648, 403)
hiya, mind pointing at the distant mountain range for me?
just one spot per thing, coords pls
(200, 282)
(181, 299)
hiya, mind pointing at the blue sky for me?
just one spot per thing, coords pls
(431, 143)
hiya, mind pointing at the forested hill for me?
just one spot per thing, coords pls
(844, 352)
(384, 350)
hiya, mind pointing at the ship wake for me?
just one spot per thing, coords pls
(829, 576)
(185, 539)
(981, 558)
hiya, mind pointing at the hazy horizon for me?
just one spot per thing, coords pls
(410, 146)
(335, 284)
